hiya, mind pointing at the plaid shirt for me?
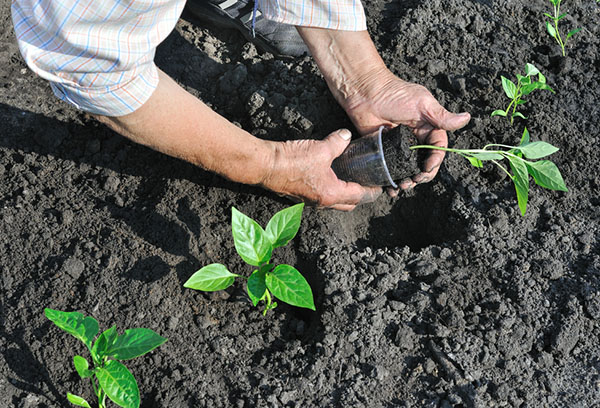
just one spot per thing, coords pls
(99, 54)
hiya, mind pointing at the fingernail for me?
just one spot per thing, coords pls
(345, 134)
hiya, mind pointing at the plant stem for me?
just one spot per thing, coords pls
(503, 168)
(466, 152)
(269, 300)
(556, 14)
(516, 100)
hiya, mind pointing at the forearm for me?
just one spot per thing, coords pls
(176, 123)
(348, 61)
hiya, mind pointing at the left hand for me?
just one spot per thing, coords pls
(390, 101)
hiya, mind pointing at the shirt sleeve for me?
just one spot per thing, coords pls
(346, 15)
(97, 55)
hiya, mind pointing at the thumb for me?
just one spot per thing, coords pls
(442, 119)
(337, 142)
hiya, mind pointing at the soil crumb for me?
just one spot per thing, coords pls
(400, 160)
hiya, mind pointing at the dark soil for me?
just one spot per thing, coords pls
(445, 297)
(400, 160)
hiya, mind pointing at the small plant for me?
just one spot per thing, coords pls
(553, 29)
(255, 246)
(109, 377)
(525, 85)
(544, 172)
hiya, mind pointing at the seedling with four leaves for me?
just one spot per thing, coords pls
(109, 377)
(524, 86)
(255, 246)
(544, 172)
(552, 27)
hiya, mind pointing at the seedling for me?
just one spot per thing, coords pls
(525, 85)
(255, 246)
(544, 172)
(109, 377)
(552, 27)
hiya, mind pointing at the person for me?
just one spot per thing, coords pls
(98, 56)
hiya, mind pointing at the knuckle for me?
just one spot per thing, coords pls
(327, 199)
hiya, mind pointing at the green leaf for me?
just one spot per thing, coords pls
(550, 29)
(257, 286)
(523, 80)
(573, 32)
(119, 384)
(541, 78)
(545, 87)
(527, 89)
(284, 225)
(288, 285)
(510, 89)
(474, 161)
(82, 366)
(549, 15)
(521, 102)
(537, 150)
(521, 180)
(546, 174)
(563, 15)
(77, 400)
(103, 342)
(211, 278)
(531, 70)
(250, 239)
(498, 112)
(134, 343)
(524, 138)
(74, 323)
(487, 156)
(519, 115)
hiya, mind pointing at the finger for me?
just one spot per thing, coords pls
(392, 192)
(371, 194)
(354, 193)
(336, 142)
(407, 184)
(434, 160)
(437, 137)
(343, 207)
(440, 118)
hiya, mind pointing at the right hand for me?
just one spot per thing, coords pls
(302, 171)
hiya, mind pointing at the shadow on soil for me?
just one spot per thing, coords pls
(416, 222)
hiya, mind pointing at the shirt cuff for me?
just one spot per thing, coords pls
(347, 15)
(114, 100)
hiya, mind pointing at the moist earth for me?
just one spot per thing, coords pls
(442, 297)
(400, 160)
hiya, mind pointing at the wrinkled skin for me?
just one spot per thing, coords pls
(309, 177)
(392, 102)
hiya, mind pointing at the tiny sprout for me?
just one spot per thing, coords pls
(553, 29)
(525, 85)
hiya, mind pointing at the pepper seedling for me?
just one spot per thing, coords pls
(524, 86)
(109, 377)
(544, 172)
(552, 27)
(255, 246)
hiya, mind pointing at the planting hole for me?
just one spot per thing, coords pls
(417, 222)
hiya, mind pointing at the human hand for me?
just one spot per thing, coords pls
(302, 170)
(385, 99)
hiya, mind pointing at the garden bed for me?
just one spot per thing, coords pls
(443, 297)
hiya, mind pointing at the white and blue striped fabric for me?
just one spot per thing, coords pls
(99, 54)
